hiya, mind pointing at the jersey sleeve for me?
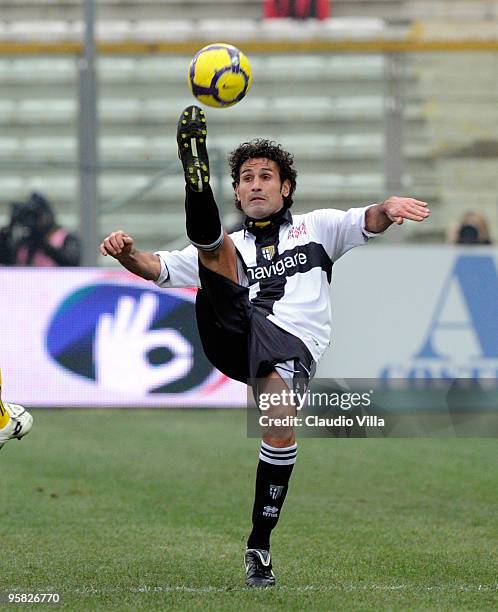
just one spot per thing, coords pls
(179, 268)
(340, 230)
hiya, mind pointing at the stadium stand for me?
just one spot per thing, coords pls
(336, 132)
(394, 11)
(328, 109)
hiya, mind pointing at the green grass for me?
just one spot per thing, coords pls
(123, 510)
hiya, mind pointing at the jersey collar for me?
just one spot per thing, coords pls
(256, 226)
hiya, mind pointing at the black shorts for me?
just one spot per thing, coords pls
(240, 341)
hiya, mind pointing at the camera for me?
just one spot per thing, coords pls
(29, 221)
(25, 214)
(24, 221)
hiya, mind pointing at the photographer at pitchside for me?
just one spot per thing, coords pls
(34, 238)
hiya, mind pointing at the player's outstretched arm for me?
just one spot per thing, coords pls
(120, 246)
(395, 210)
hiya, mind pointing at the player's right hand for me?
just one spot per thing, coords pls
(118, 244)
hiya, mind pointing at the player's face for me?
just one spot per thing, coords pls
(260, 191)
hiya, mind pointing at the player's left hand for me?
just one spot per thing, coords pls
(397, 209)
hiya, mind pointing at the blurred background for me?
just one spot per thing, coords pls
(377, 97)
(374, 97)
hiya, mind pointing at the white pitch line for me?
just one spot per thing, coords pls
(146, 589)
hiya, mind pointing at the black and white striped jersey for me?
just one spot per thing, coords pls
(288, 271)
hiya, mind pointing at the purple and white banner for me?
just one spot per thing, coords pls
(414, 313)
(93, 337)
(98, 337)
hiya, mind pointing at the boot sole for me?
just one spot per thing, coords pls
(191, 139)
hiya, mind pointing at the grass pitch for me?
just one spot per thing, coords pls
(149, 510)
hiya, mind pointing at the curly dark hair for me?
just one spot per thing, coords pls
(262, 148)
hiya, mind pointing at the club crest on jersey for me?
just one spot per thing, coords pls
(268, 252)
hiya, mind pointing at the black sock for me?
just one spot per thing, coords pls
(203, 219)
(272, 480)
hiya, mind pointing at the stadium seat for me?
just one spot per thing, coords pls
(163, 30)
(216, 29)
(43, 31)
(352, 27)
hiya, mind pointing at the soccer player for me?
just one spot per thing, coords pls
(15, 421)
(263, 307)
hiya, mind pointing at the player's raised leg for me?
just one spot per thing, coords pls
(15, 421)
(204, 229)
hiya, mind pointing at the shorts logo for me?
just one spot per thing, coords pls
(276, 491)
(270, 511)
(268, 252)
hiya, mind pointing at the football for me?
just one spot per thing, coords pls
(219, 75)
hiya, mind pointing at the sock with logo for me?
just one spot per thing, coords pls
(272, 480)
(203, 219)
(4, 415)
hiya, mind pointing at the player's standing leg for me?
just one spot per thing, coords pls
(15, 421)
(277, 457)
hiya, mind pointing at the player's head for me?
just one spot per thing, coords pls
(264, 178)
